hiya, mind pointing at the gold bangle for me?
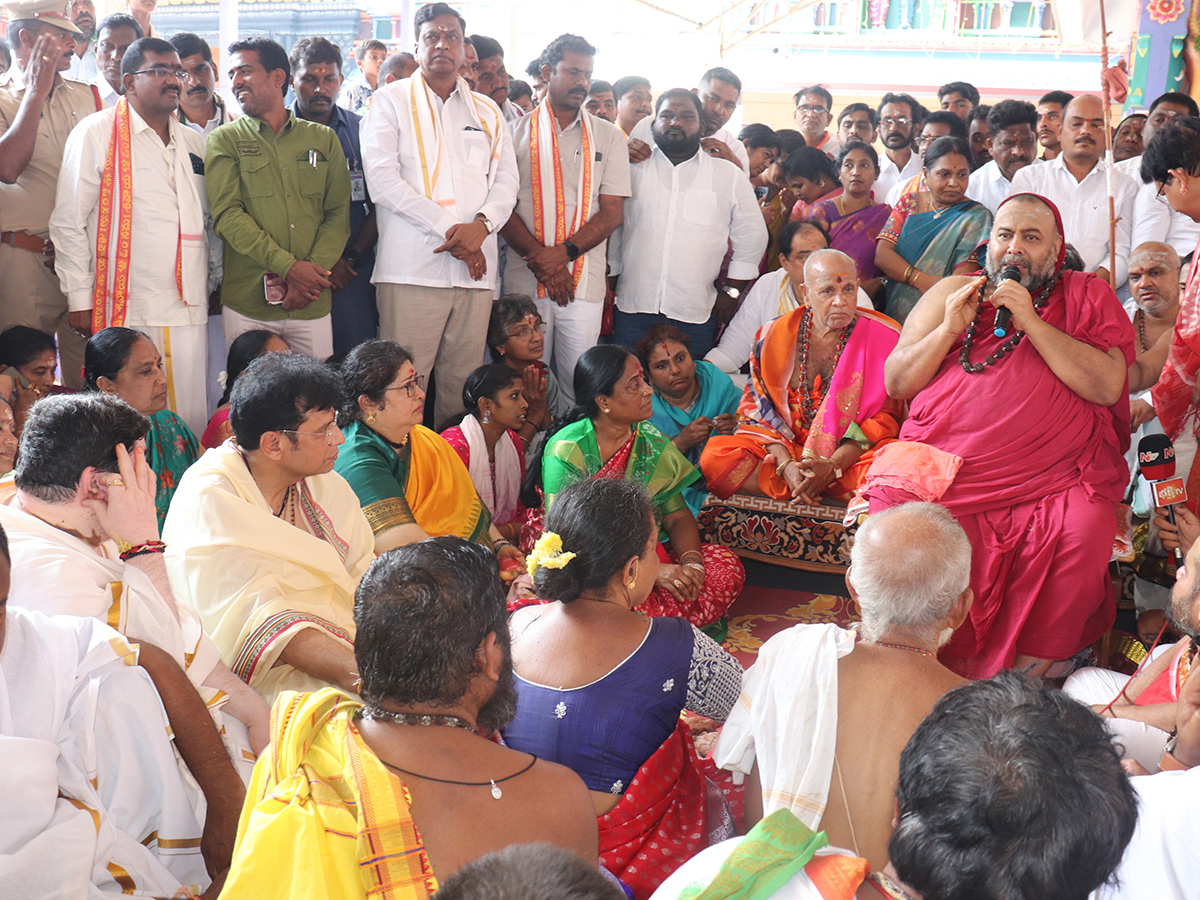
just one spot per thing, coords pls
(692, 554)
(780, 469)
(908, 275)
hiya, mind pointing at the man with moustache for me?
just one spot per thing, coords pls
(113, 37)
(279, 188)
(978, 136)
(492, 80)
(1127, 138)
(557, 236)
(83, 63)
(814, 112)
(600, 101)
(634, 101)
(316, 80)
(406, 764)
(1012, 142)
(719, 92)
(141, 259)
(1049, 125)
(686, 210)
(1076, 181)
(200, 106)
(36, 115)
(857, 122)
(1040, 520)
(899, 116)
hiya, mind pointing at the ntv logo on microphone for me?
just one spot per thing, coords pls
(1156, 456)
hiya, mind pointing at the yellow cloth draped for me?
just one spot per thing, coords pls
(324, 819)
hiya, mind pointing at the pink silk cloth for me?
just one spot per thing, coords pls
(1041, 474)
(1172, 394)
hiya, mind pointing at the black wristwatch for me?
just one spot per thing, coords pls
(572, 251)
(350, 255)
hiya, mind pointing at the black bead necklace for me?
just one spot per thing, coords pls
(964, 356)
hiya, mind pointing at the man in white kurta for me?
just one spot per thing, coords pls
(157, 279)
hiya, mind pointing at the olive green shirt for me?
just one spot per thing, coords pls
(276, 199)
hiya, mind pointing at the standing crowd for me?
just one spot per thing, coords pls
(255, 590)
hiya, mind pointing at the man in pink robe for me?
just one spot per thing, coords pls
(1025, 449)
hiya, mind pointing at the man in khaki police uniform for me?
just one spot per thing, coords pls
(35, 119)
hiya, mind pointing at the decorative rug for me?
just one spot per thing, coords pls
(762, 612)
(795, 535)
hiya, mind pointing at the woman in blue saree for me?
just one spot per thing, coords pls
(932, 233)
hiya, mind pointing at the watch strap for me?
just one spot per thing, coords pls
(572, 251)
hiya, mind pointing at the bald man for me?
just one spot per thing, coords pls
(1076, 181)
(1021, 438)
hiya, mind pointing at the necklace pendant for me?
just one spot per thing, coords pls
(496, 792)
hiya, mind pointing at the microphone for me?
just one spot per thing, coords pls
(1156, 458)
(1004, 314)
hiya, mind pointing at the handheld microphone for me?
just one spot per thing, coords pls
(1004, 314)
(1156, 458)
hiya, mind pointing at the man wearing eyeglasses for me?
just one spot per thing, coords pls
(131, 223)
(814, 112)
(898, 117)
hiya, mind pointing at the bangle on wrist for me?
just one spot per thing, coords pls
(129, 552)
(782, 467)
(691, 554)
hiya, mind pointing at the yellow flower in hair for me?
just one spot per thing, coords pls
(547, 553)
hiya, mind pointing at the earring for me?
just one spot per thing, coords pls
(371, 419)
(604, 409)
(487, 417)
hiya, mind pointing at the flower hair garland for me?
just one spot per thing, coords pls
(547, 553)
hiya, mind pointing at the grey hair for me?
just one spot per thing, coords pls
(821, 258)
(908, 566)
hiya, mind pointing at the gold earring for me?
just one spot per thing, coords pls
(371, 419)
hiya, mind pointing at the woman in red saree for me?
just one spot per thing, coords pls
(815, 410)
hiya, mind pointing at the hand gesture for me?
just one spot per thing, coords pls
(343, 273)
(817, 475)
(308, 278)
(43, 60)
(720, 150)
(638, 151)
(961, 307)
(1140, 412)
(681, 582)
(1012, 296)
(124, 503)
(725, 423)
(1182, 534)
(463, 239)
(695, 432)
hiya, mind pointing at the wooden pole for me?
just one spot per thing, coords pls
(1108, 151)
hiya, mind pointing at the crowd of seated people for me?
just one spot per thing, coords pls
(431, 608)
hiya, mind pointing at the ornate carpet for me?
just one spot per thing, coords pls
(762, 612)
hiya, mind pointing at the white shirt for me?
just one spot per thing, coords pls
(678, 226)
(108, 97)
(1084, 209)
(83, 68)
(890, 174)
(989, 186)
(642, 131)
(410, 224)
(153, 294)
(222, 116)
(771, 297)
(1154, 219)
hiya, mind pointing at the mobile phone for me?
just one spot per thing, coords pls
(275, 288)
(15, 374)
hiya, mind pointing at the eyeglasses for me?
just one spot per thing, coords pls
(806, 110)
(900, 121)
(161, 72)
(525, 331)
(410, 387)
(328, 432)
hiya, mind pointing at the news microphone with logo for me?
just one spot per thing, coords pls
(1003, 313)
(1156, 458)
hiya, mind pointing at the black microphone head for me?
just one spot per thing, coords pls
(1156, 457)
(1010, 273)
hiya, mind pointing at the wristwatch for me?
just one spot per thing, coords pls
(572, 251)
(350, 255)
(487, 223)
(734, 293)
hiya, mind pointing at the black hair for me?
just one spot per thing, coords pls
(1175, 146)
(1176, 97)
(518, 89)
(790, 140)
(421, 613)
(944, 146)
(487, 381)
(605, 522)
(810, 163)
(276, 392)
(187, 44)
(367, 46)
(534, 69)
(246, 347)
(1062, 98)
(116, 20)
(853, 108)
(271, 55)
(858, 145)
(599, 87)
(1007, 790)
(916, 111)
(720, 73)
(979, 114)
(21, 345)
(1008, 113)
(788, 233)
(507, 312)
(394, 64)
(1072, 260)
(529, 872)
(656, 334)
(486, 47)
(958, 128)
(627, 83)
(431, 11)
(369, 369)
(756, 135)
(814, 89)
(564, 43)
(106, 353)
(968, 91)
(66, 433)
(135, 54)
(310, 51)
(678, 94)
